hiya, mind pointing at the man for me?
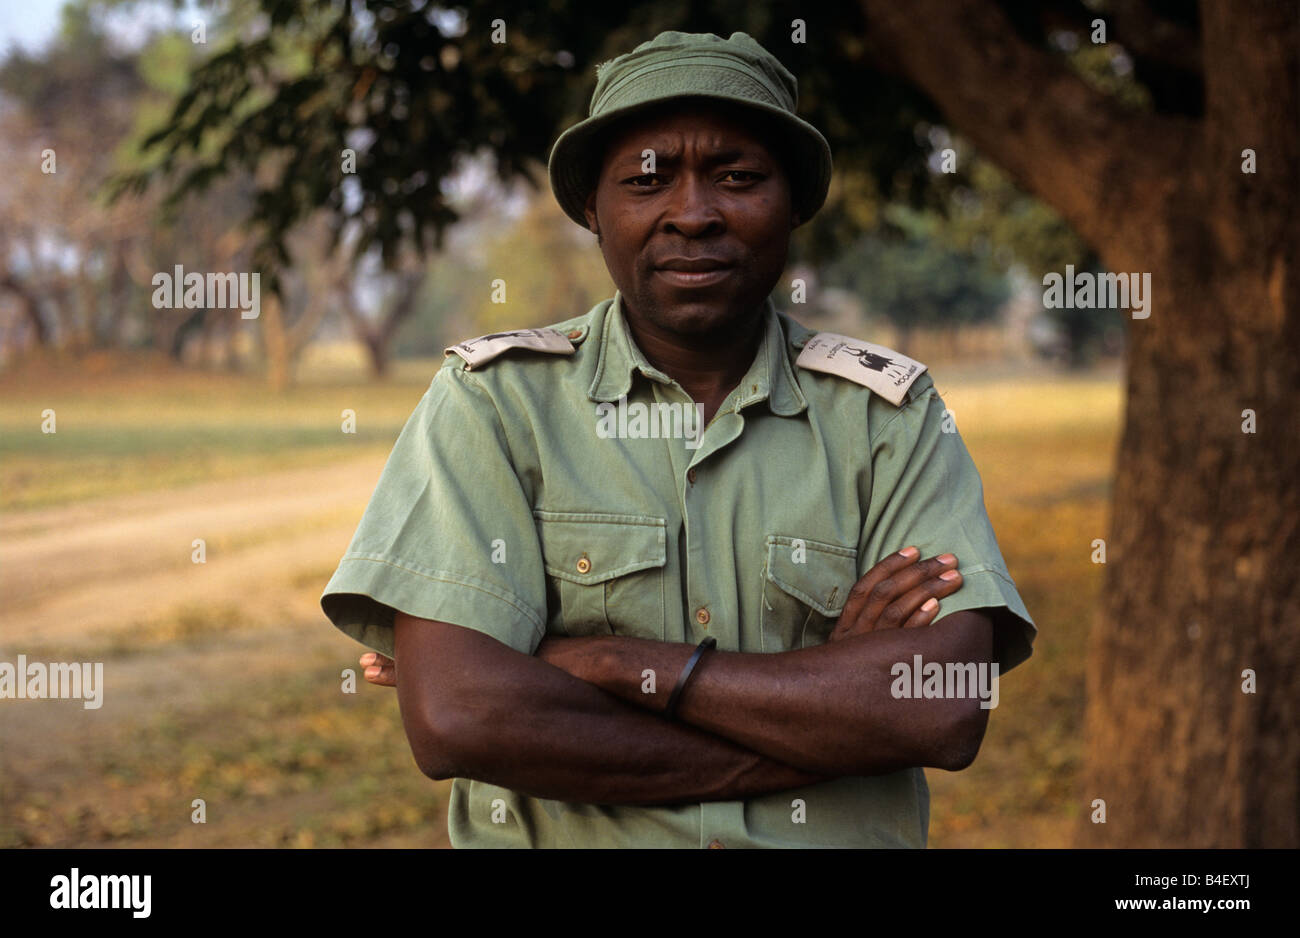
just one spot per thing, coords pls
(552, 591)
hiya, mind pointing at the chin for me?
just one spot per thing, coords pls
(696, 317)
(697, 321)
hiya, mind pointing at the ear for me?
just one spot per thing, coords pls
(590, 211)
(795, 221)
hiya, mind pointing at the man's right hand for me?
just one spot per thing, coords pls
(899, 592)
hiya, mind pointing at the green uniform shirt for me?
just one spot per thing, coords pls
(504, 509)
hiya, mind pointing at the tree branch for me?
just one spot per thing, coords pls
(1067, 143)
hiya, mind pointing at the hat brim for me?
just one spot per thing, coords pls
(572, 165)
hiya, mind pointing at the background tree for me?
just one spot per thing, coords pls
(1180, 755)
(61, 253)
(80, 266)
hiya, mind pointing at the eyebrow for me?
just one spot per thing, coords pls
(671, 157)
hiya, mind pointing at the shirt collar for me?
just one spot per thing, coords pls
(770, 376)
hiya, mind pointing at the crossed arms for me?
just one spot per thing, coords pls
(572, 723)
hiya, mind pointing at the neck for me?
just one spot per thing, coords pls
(707, 365)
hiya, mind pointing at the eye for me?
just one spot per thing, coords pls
(747, 175)
(643, 181)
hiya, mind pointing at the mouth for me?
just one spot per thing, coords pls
(694, 272)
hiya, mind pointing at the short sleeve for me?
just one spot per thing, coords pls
(448, 533)
(926, 491)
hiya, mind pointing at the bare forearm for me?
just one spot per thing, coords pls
(537, 730)
(826, 709)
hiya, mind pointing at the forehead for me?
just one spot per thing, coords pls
(713, 125)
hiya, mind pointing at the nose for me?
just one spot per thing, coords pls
(692, 208)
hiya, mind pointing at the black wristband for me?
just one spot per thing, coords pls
(700, 649)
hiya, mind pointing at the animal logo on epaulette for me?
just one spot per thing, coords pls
(883, 370)
(869, 359)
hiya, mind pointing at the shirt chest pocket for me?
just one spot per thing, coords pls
(605, 571)
(805, 585)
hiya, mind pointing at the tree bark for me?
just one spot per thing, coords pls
(1199, 581)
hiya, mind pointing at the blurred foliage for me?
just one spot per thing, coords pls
(243, 136)
(915, 280)
(454, 286)
(83, 265)
(991, 217)
(414, 88)
(545, 258)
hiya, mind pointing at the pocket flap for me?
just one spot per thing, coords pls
(589, 548)
(824, 577)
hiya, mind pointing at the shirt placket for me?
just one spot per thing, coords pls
(721, 822)
(709, 611)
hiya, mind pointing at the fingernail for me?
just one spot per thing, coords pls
(949, 575)
(368, 658)
(909, 552)
(929, 604)
(372, 672)
(947, 559)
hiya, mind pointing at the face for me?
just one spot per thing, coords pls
(696, 246)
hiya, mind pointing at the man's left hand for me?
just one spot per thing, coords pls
(379, 669)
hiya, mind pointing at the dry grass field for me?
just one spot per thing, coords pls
(223, 678)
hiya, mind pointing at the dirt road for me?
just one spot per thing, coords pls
(112, 565)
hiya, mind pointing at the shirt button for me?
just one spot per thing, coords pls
(584, 565)
(574, 333)
(717, 845)
(690, 476)
(702, 616)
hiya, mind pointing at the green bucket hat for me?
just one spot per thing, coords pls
(692, 65)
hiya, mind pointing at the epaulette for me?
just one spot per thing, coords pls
(480, 351)
(881, 369)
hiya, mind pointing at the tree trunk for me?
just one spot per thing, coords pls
(287, 327)
(31, 307)
(108, 331)
(377, 355)
(1200, 582)
(276, 342)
